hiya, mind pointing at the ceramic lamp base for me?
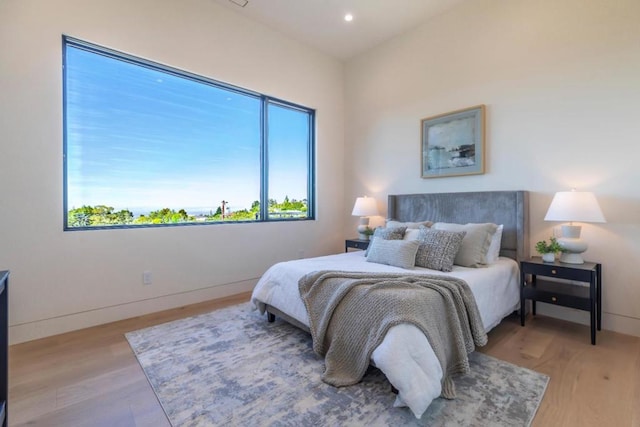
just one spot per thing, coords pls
(571, 258)
(572, 245)
(362, 227)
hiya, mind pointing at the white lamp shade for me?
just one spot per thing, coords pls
(365, 206)
(578, 206)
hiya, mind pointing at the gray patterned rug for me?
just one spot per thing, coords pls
(231, 367)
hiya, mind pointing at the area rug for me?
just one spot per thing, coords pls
(231, 367)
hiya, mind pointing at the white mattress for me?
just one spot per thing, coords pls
(404, 356)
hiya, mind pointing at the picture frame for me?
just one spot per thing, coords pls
(453, 144)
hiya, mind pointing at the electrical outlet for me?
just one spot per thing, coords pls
(147, 278)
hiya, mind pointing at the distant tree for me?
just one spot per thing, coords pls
(124, 216)
(79, 217)
(241, 215)
(98, 215)
(165, 216)
(286, 204)
(101, 215)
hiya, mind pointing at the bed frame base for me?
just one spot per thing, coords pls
(272, 312)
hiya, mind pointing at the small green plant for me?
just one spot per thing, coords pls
(546, 248)
(368, 231)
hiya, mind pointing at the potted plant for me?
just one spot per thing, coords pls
(367, 233)
(548, 250)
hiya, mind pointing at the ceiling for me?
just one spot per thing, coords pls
(320, 23)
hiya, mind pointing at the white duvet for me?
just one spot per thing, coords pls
(405, 356)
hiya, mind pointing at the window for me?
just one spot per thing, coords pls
(146, 144)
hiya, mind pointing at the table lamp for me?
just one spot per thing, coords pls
(573, 206)
(364, 208)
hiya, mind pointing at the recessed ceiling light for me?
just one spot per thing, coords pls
(348, 17)
(241, 3)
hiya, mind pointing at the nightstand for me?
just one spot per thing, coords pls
(355, 244)
(536, 286)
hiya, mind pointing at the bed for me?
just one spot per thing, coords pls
(405, 356)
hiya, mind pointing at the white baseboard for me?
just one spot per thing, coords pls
(48, 327)
(74, 321)
(623, 324)
(610, 321)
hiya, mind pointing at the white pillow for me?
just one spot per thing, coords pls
(475, 244)
(399, 253)
(411, 234)
(409, 225)
(494, 248)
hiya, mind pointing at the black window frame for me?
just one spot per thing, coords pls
(265, 101)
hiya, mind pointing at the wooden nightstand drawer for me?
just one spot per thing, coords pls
(563, 300)
(566, 295)
(356, 244)
(558, 271)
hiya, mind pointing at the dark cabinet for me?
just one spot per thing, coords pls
(4, 345)
(539, 282)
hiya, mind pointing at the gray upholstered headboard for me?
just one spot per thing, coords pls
(510, 208)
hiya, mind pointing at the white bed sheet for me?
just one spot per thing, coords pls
(405, 356)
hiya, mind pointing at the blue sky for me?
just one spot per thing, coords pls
(142, 139)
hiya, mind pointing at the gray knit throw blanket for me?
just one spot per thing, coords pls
(350, 313)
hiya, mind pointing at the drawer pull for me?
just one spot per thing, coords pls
(554, 299)
(553, 272)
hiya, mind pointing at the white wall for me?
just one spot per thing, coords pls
(559, 79)
(68, 280)
(561, 83)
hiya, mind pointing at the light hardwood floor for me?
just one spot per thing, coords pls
(91, 377)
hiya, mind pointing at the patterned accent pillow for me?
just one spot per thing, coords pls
(399, 253)
(438, 248)
(388, 233)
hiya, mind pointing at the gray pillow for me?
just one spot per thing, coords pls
(438, 248)
(386, 233)
(399, 253)
(475, 245)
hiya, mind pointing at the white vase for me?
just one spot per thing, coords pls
(549, 257)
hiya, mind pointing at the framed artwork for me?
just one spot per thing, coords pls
(453, 143)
